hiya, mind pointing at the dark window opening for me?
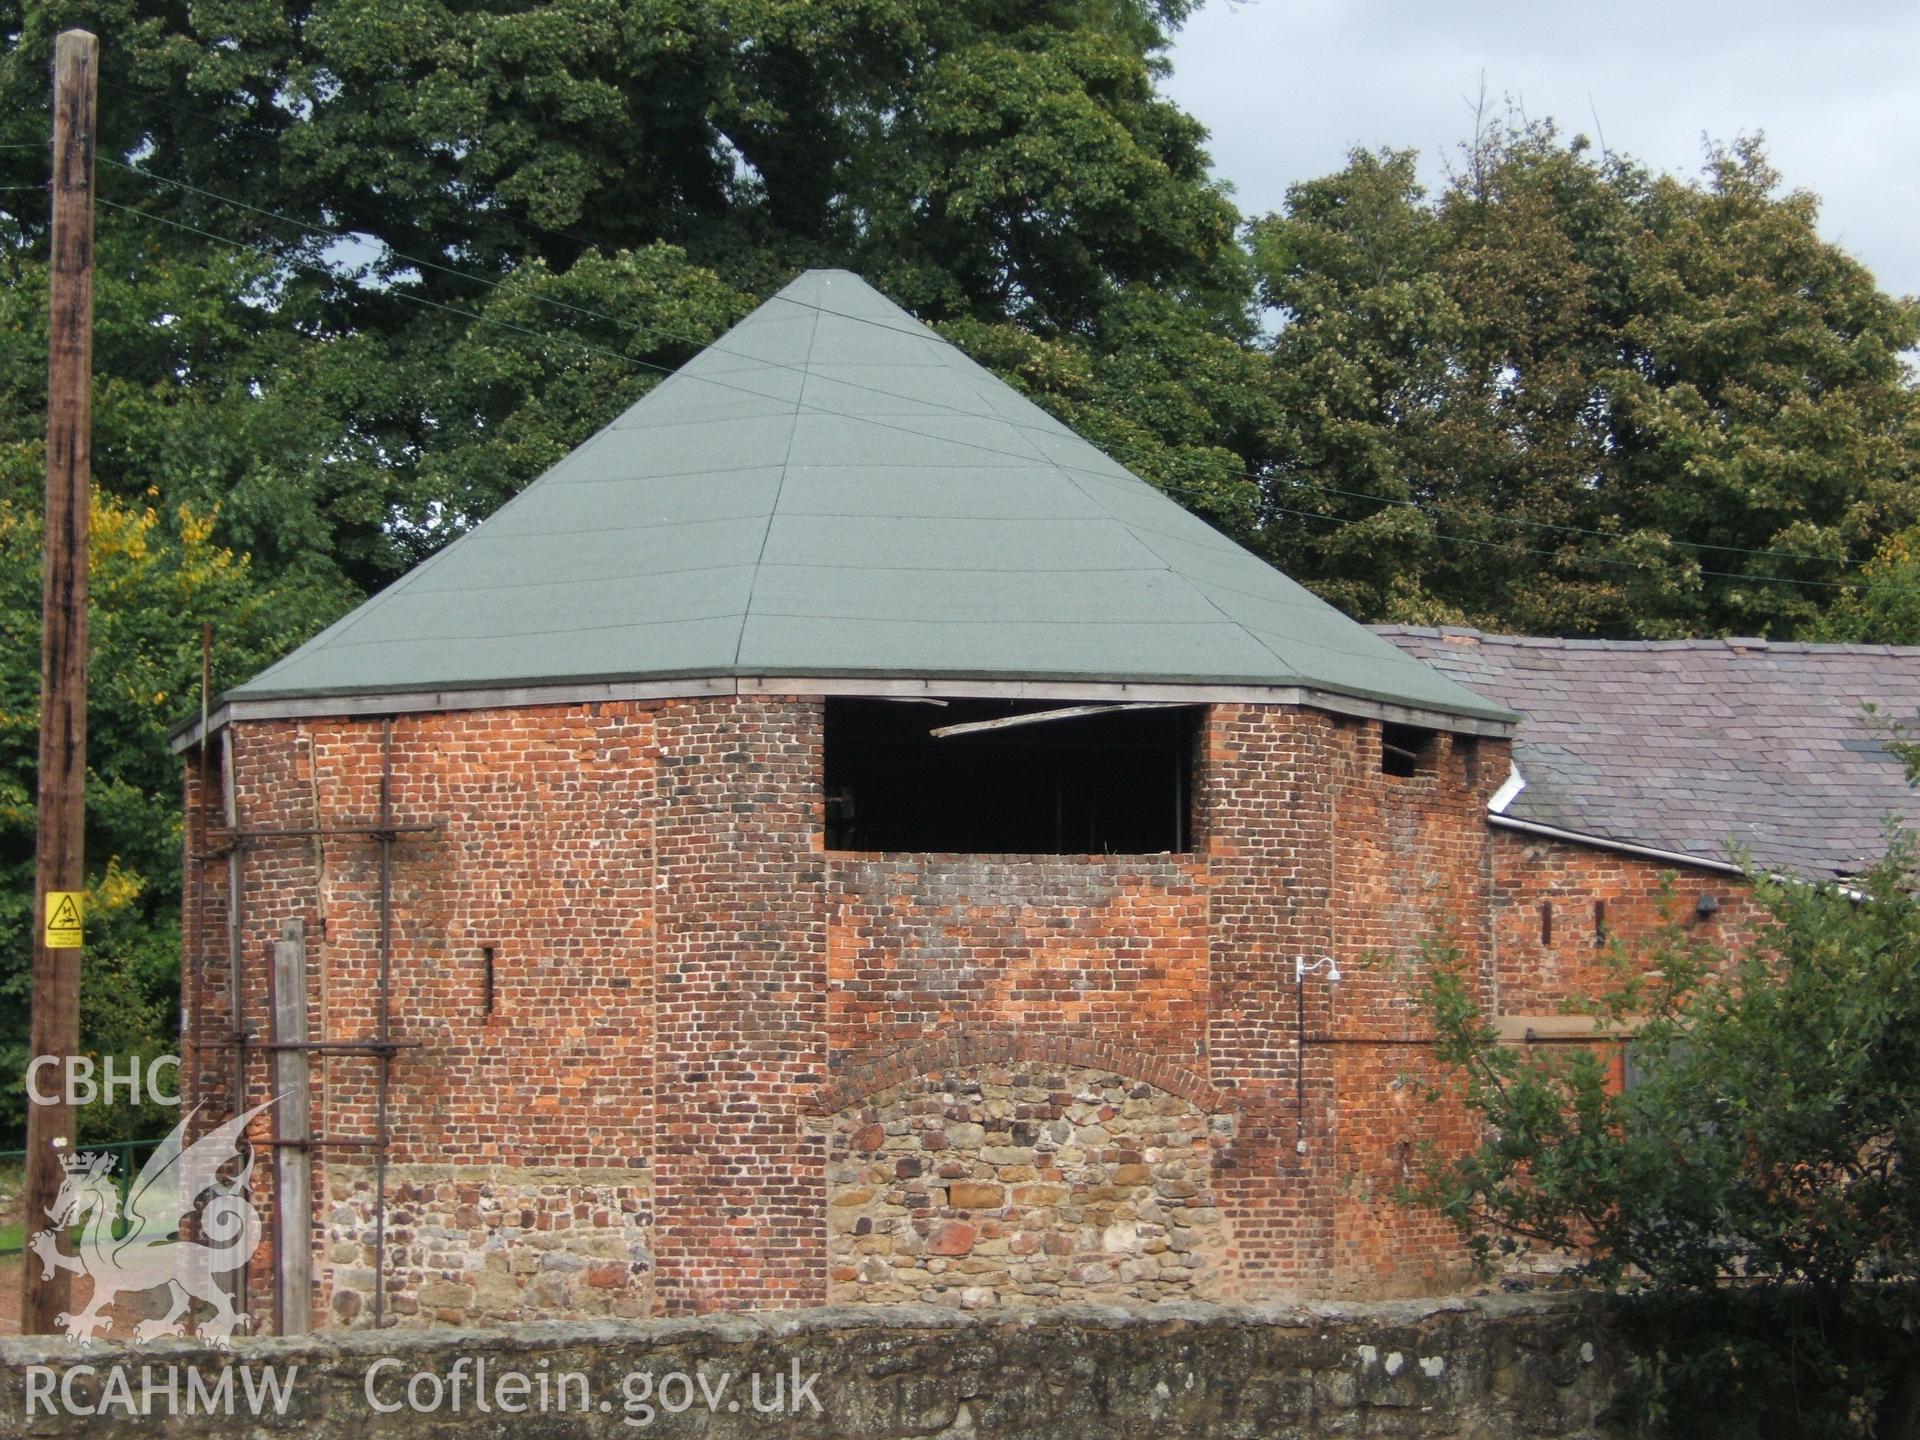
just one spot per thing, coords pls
(1110, 780)
(1467, 747)
(1546, 922)
(1599, 922)
(1405, 749)
(1641, 1064)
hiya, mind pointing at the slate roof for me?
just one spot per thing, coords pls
(1687, 745)
(831, 489)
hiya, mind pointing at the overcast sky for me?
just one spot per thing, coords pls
(1288, 87)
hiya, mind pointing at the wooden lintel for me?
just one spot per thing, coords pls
(1538, 1029)
(1070, 712)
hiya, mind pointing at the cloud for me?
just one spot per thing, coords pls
(1288, 87)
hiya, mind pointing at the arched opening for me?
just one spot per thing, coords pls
(1025, 1182)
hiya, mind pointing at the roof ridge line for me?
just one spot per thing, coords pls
(925, 332)
(779, 487)
(1758, 644)
(1066, 472)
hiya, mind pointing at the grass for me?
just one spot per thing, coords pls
(13, 1186)
(13, 1223)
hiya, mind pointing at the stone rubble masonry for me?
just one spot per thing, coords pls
(695, 1009)
(1497, 1368)
(483, 1244)
(1024, 1184)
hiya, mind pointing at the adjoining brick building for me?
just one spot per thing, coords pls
(838, 836)
(1644, 769)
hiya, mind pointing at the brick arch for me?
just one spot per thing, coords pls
(1000, 1046)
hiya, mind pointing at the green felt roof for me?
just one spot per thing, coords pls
(831, 489)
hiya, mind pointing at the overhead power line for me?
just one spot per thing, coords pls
(665, 334)
(588, 347)
(660, 332)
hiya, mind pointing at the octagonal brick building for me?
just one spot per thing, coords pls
(836, 836)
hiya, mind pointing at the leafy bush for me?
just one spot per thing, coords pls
(1751, 1194)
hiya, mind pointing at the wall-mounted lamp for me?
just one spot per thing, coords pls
(1303, 966)
(1706, 906)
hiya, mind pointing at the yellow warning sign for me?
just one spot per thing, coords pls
(63, 920)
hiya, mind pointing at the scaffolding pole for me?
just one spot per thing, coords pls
(231, 845)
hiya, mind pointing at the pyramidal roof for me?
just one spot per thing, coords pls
(832, 490)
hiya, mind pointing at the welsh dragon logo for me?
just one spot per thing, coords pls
(149, 1254)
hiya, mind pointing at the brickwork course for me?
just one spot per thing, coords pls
(664, 1050)
(693, 1002)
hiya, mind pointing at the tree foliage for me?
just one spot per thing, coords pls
(989, 161)
(149, 578)
(1570, 396)
(183, 425)
(1755, 1181)
(1885, 609)
(367, 267)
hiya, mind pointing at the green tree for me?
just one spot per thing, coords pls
(1568, 396)
(1751, 1193)
(177, 409)
(981, 161)
(145, 575)
(1885, 610)
(365, 269)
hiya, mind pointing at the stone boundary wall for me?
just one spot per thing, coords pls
(1495, 1368)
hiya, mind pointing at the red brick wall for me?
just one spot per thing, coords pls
(1266, 798)
(1410, 866)
(1266, 794)
(1380, 1246)
(685, 981)
(545, 855)
(741, 955)
(1313, 851)
(1100, 947)
(269, 773)
(1533, 976)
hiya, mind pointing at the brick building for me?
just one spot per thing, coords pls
(1643, 766)
(839, 836)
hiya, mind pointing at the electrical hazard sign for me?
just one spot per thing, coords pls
(63, 920)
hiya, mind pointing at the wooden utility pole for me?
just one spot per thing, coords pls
(60, 861)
